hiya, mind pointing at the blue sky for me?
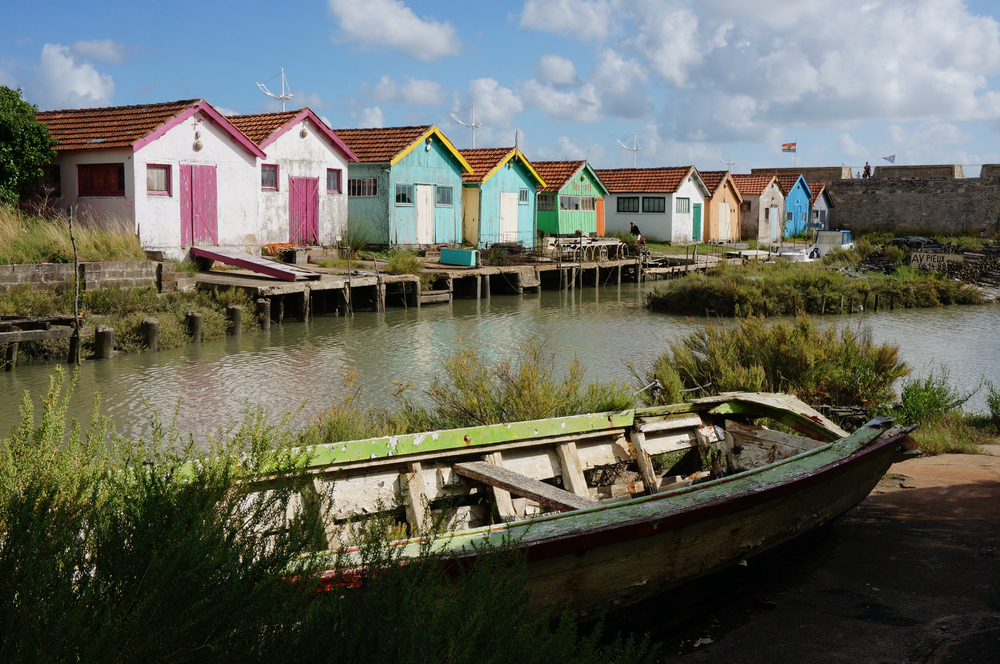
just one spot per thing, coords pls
(849, 81)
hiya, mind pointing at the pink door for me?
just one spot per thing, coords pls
(199, 221)
(303, 210)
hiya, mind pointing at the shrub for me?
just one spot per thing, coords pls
(928, 399)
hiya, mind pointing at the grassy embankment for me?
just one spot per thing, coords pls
(29, 239)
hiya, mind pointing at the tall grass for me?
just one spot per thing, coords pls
(119, 550)
(29, 239)
(407, 262)
(785, 289)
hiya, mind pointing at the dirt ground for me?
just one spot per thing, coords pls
(902, 577)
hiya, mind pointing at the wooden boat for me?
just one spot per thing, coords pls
(612, 508)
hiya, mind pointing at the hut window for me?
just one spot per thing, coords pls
(333, 180)
(655, 204)
(362, 187)
(101, 179)
(546, 202)
(628, 203)
(157, 180)
(404, 194)
(571, 203)
(683, 205)
(269, 177)
(522, 197)
(587, 203)
(767, 214)
(442, 196)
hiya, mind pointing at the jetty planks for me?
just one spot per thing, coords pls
(522, 485)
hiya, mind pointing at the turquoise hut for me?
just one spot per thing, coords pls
(406, 188)
(498, 197)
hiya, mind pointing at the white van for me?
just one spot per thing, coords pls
(827, 241)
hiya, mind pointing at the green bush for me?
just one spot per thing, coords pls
(928, 399)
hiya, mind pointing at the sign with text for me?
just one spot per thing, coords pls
(938, 262)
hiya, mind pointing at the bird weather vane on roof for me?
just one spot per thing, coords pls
(472, 124)
(635, 146)
(285, 93)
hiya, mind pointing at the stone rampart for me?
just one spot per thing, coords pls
(920, 172)
(59, 276)
(915, 206)
(811, 174)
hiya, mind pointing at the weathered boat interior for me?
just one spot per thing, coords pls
(537, 472)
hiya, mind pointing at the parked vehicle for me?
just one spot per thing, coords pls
(827, 241)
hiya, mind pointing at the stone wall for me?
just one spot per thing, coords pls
(933, 172)
(59, 276)
(915, 206)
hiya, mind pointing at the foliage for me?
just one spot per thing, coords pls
(26, 239)
(359, 235)
(955, 432)
(788, 288)
(407, 262)
(830, 366)
(25, 145)
(928, 399)
(993, 402)
(118, 551)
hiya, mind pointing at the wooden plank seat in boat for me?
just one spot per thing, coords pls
(522, 485)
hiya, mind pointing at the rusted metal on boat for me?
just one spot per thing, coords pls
(613, 508)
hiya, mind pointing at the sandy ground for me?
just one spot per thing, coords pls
(902, 577)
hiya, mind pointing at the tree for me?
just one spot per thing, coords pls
(25, 145)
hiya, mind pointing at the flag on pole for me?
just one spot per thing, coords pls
(891, 159)
(788, 147)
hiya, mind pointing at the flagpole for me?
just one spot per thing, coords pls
(795, 163)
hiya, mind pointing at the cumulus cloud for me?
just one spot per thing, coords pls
(583, 105)
(102, 50)
(668, 38)
(416, 92)
(556, 70)
(390, 23)
(570, 149)
(586, 20)
(63, 80)
(371, 117)
(496, 105)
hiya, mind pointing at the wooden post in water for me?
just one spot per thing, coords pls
(264, 313)
(303, 311)
(234, 313)
(876, 302)
(485, 285)
(10, 356)
(150, 330)
(104, 342)
(74, 349)
(194, 326)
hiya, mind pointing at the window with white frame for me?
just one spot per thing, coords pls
(587, 203)
(362, 187)
(404, 194)
(628, 204)
(443, 196)
(569, 203)
(268, 176)
(333, 180)
(683, 205)
(157, 180)
(522, 197)
(546, 202)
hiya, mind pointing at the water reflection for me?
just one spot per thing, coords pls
(304, 364)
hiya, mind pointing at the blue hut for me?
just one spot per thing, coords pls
(797, 196)
(498, 197)
(406, 188)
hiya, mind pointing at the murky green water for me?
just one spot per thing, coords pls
(303, 365)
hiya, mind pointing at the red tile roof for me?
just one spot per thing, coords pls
(712, 179)
(380, 144)
(556, 173)
(752, 184)
(259, 127)
(483, 160)
(817, 188)
(109, 128)
(651, 180)
(786, 181)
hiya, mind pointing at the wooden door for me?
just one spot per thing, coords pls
(599, 206)
(725, 232)
(508, 217)
(696, 234)
(303, 210)
(199, 199)
(425, 213)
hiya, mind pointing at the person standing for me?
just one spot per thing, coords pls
(868, 171)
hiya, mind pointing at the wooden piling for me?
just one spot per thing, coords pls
(74, 350)
(303, 309)
(343, 304)
(264, 313)
(876, 302)
(150, 331)
(485, 287)
(234, 313)
(10, 356)
(194, 326)
(104, 342)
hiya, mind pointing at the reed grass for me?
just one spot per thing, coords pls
(26, 239)
(786, 289)
(407, 262)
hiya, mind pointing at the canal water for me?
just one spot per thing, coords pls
(301, 367)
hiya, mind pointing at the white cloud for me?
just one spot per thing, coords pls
(570, 149)
(416, 92)
(586, 20)
(850, 147)
(496, 105)
(377, 23)
(556, 70)
(583, 105)
(102, 50)
(63, 80)
(371, 117)
(667, 36)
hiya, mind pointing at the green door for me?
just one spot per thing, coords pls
(697, 222)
